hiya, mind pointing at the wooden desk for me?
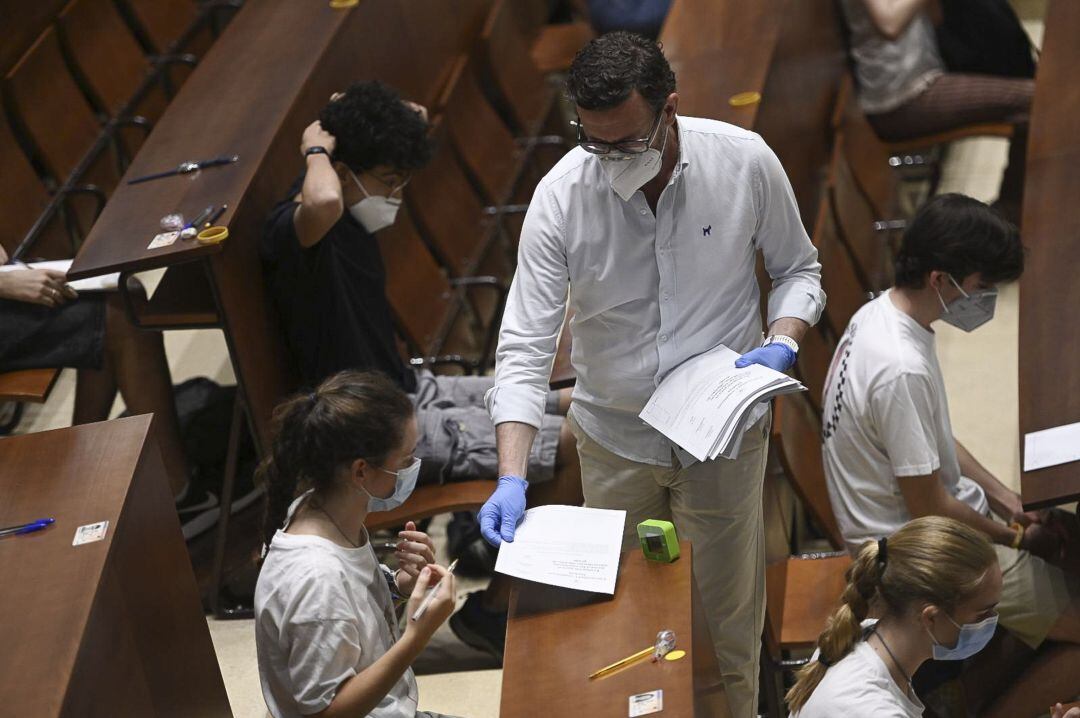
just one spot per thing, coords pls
(552, 645)
(1049, 293)
(111, 628)
(263, 81)
(788, 51)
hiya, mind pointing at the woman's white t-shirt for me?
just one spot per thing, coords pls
(860, 685)
(323, 613)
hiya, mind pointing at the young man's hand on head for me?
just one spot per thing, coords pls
(316, 136)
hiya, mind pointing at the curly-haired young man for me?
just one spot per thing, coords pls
(328, 283)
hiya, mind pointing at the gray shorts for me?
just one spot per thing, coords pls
(457, 438)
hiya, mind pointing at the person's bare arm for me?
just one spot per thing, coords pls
(514, 441)
(1003, 501)
(789, 327)
(321, 202)
(891, 17)
(926, 496)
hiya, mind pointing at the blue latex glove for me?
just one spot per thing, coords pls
(501, 514)
(775, 356)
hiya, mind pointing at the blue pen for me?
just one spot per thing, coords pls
(26, 528)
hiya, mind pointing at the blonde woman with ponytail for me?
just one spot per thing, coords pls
(326, 631)
(935, 583)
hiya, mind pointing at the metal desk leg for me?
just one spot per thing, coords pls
(221, 538)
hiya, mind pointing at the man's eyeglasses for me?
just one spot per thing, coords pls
(627, 147)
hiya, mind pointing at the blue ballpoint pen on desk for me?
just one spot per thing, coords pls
(26, 528)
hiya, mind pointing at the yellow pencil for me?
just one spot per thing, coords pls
(624, 662)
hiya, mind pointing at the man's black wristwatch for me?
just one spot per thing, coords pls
(316, 150)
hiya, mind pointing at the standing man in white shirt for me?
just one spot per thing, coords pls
(649, 229)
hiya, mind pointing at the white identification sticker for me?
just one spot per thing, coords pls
(90, 533)
(163, 240)
(645, 703)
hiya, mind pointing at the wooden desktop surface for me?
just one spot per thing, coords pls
(552, 645)
(1049, 293)
(113, 627)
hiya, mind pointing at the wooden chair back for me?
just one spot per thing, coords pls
(447, 210)
(54, 111)
(839, 279)
(855, 217)
(526, 97)
(163, 21)
(108, 56)
(28, 385)
(815, 353)
(482, 140)
(796, 435)
(801, 594)
(423, 301)
(867, 156)
(22, 199)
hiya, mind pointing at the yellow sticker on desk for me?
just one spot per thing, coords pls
(212, 235)
(674, 655)
(744, 98)
(341, 4)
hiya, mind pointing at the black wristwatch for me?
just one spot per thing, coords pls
(316, 150)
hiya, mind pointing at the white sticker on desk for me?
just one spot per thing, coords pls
(90, 533)
(645, 703)
(163, 240)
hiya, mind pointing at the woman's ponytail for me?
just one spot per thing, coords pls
(843, 629)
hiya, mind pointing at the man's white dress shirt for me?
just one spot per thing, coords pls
(649, 292)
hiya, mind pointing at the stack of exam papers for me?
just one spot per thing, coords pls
(705, 404)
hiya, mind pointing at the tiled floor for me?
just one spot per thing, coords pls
(980, 371)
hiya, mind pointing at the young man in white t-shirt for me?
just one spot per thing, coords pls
(888, 446)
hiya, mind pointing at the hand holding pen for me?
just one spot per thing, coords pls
(429, 608)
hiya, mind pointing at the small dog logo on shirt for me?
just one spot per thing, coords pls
(706, 231)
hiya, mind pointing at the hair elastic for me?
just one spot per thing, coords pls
(882, 550)
(823, 661)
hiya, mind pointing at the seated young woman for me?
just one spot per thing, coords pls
(935, 583)
(325, 625)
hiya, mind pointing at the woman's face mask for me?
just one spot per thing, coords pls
(375, 212)
(406, 482)
(969, 311)
(972, 639)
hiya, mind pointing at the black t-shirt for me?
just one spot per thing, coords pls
(331, 298)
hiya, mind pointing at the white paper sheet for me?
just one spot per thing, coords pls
(568, 546)
(103, 283)
(1051, 447)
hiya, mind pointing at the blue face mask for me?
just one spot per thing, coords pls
(973, 638)
(406, 482)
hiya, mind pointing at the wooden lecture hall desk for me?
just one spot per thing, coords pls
(1049, 342)
(112, 627)
(554, 641)
(261, 83)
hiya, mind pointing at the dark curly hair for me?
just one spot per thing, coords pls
(372, 126)
(610, 67)
(960, 235)
(350, 416)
